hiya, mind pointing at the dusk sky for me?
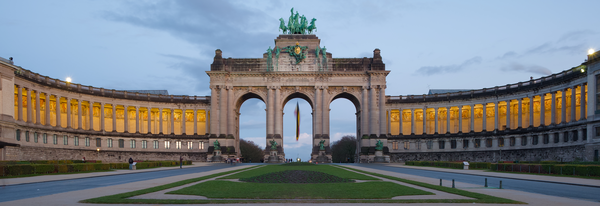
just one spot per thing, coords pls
(148, 45)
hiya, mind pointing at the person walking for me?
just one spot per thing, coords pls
(180, 162)
(130, 163)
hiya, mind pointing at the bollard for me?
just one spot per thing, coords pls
(500, 184)
(440, 182)
(453, 183)
(485, 182)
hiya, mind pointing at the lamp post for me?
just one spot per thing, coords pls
(98, 150)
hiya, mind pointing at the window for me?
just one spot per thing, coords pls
(132, 143)
(201, 145)
(98, 142)
(87, 141)
(597, 131)
(45, 138)
(27, 136)
(406, 145)
(500, 142)
(155, 144)
(190, 145)
(18, 135)
(76, 140)
(167, 144)
(429, 144)
(466, 143)
(546, 138)
(109, 142)
(177, 144)
(453, 144)
(35, 137)
(523, 140)
(121, 143)
(575, 135)
(584, 137)
(55, 139)
(513, 141)
(477, 143)
(535, 140)
(442, 144)
(595, 155)
(144, 144)
(65, 140)
(556, 138)
(488, 142)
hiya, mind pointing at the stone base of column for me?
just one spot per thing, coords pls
(212, 136)
(230, 136)
(222, 136)
(269, 136)
(183, 134)
(276, 136)
(195, 133)
(317, 136)
(374, 136)
(324, 136)
(383, 136)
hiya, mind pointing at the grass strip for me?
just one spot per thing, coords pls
(319, 168)
(480, 198)
(122, 198)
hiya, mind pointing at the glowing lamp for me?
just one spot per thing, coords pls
(591, 51)
(68, 79)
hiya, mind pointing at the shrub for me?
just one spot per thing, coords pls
(43, 169)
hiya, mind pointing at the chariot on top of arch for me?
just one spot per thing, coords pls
(297, 24)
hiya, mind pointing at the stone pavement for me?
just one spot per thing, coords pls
(533, 177)
(72, 198)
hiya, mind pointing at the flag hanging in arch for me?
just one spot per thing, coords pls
(297, 113)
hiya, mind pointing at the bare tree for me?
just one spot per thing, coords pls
(344, 149)
(250, 151)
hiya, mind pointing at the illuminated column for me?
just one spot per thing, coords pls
(553, 109)
(172, 121)
(496, 115)
(472, 124)
(519, 113)
(400, 123)
(137, 119)
(365, 113)
(69, 112)
(126, 119)
(114, 117)
(484, 119)
(412, 121)
(582, 102)
(48, 109)
(195, 121)
(38, 119)
(531, 111)
(573, 104)
(19, 103)
(29, 107)
(436, 120)
(58, 108)
(563, 107)
(448, 120)
(230, 112)
(542, 109)
(424, 120)
(270, 114)
(459, 118)
(149, 119)
(79, 115)
(102, 128)
(508, 114)
(91, 115)
(160, 120)
(382, 113)
(183, 120)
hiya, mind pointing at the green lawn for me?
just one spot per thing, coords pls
(245, 190)
(321, 168)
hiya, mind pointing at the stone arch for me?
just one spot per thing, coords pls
(245, 96)
(300, 95)
(346, 95)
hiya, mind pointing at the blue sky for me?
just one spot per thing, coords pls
(170, 44)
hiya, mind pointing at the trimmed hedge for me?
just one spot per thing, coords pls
(456, 165)
(15, 169)
(561, 169)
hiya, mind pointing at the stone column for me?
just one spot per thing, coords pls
(160, 120)
(383, 114)
(553, 111)
(325, 113)
(195, 121)
(79, 115)
(38, 118)
(172, 121)
(69, 114)
(58, 108)
(531, 111)
(573, 104)
(460, 118)
(137, 119)
(365, 113)
(230, 112)
(496, 115)
(543, 110)
(102, 128)
(520, 113)
(508, 116)
(437, 130)
(29, 107)
(582, 102)
(412, 121)
(424, 120)
(374, 111)
(20, 103)
(472, 118)
(149, 119)
(125, 119)
(208, 119)
(214, 114)
(114, 117)
(484, 119)
(400, 123)
(91, 115)
(448, 120)
(48, 123)
(183, 121)
(278, 113)
(270, 114)
(563, 107)
(223, 113)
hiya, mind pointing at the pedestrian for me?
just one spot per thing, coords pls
(180, 162)
(83, 160)
(130, 163)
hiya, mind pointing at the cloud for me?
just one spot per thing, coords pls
(536, 69)
(432, 70)
(507, 55)
(304, 141)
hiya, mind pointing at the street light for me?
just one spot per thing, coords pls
(591, 51)
(98, 150)
(68, 79)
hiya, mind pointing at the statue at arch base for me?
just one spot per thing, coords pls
(379, 157)
(273, 155)
(322, 155)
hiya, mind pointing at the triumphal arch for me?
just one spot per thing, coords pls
(297, 66)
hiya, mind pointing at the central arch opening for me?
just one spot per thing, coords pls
(343, 125)
(301, 148)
